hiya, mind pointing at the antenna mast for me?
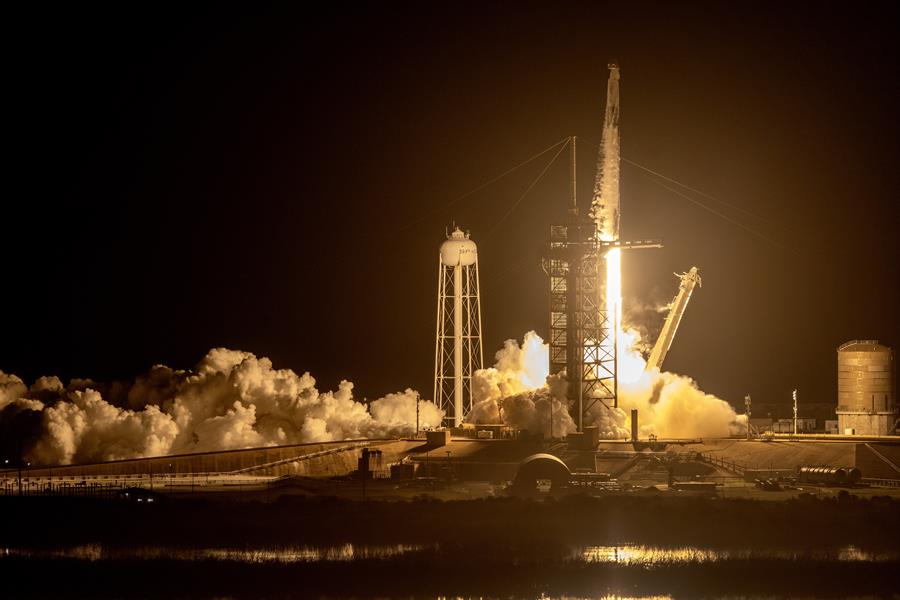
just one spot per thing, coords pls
(573, 208)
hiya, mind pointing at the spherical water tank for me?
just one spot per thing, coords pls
(458, 250)
(865, 377)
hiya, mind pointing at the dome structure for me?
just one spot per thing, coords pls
(458, 250)
(542, 467)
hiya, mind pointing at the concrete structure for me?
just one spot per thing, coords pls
(458, 351)
(325, 459)
(437, 437)
(866, 399)
(787, 426)
(761, 424)
(326, 468)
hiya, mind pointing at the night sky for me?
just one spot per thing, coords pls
(277, 180)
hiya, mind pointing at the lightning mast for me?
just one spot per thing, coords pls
(571, 262)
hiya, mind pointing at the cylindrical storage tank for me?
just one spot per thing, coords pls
(826, 475)
(458, 250)
(865, 377)
(839, 475)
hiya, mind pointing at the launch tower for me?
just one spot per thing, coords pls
(583, 264)
(580, 342)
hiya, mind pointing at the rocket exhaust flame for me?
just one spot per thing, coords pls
(670, 405)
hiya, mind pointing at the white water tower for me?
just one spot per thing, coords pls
(458, 352)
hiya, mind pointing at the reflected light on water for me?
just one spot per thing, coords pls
(608, 597)
(621, 555)
(651, 555)
(336, 553)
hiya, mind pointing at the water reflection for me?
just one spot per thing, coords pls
(292, 554)
(607, 597)
(620, 555)
(651, 555)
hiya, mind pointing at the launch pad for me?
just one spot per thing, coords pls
(405, 468)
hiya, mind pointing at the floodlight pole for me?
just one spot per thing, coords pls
(795, 411)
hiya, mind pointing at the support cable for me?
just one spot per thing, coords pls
(530, 187)
(484, 185)
(705, 206)
(725, 217)
(696, 191)
(515, 267)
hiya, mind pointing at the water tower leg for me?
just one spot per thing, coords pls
(457, 347)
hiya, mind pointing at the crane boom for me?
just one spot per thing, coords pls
(676, 312)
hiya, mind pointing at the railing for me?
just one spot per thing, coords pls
(94, 490)
(301, 457)
(853, 342)
(874, 482)
(729, 465)
(110, 485)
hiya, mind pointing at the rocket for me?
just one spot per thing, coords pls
(605, 202)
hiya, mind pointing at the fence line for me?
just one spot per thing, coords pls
(109, 485)
(730, 465)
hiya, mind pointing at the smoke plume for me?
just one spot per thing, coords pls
(231, 400)
(669, 405)
(518, 390)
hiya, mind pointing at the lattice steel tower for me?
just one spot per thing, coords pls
(582, 338)
(458, 352)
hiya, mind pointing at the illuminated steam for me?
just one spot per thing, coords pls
(518, 390)
(234, 400)
(231, 400)
(669, 405)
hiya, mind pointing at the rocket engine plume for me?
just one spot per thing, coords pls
(605, 210)
(670, 405)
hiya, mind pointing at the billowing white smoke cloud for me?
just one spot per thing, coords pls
(11, 389)
(231, 400)
(518, 390)
(88, 427)
(669, 405)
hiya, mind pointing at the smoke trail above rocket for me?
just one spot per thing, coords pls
(605, 202)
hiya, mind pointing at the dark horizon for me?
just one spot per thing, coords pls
(272, 180)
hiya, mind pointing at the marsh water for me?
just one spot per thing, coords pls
(352, 570)
(621, 554)
(500, 548)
